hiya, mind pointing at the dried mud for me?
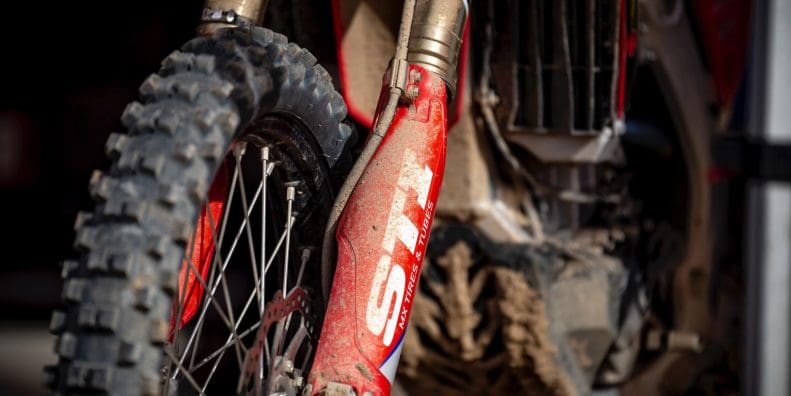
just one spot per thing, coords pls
(479, 330)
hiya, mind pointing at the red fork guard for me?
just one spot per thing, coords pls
(202, 248)
(382, 236)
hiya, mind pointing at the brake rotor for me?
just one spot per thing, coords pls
(283, 378)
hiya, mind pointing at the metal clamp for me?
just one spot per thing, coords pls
(224, 16)
(399, 71)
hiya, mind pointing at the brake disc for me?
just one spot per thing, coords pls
(283, 378)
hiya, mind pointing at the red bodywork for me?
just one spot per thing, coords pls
(201, 251)
(382, 236)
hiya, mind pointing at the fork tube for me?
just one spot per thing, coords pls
(223, 13)
(435, 40)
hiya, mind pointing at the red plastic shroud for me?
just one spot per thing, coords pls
(382, 236)
(201, 251)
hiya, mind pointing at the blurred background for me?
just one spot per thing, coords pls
(69, 68)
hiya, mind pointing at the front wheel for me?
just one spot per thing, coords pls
(200, 268)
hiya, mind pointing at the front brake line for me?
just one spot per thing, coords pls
(398, 72)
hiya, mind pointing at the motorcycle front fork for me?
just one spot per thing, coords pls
(383, 230)
(381, 238)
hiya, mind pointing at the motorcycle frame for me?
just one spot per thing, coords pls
(383, 230)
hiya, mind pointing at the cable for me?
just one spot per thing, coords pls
(378, 133)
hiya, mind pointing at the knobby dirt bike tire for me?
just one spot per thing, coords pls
(117, 296)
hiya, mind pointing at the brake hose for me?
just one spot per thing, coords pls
(398, 69)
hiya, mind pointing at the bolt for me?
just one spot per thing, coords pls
(415, 76)
(297, 382)
(412, 92)
(288, 366)
(231, 16)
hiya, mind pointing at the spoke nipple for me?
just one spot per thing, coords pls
(290, 193)
(240, 148)
(265, 153)
(269, 168)
(288, 366)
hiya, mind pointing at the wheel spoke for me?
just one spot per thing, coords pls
(212, 300)
(280, 344)
(228, 342)
(226, 293)
(219, 309)
(290, 192)
(239, 320)
(264, 176)
(199, 325)
(241, 228)
(221, 350)
(184, 371)
(259, 287)
(179, 312)
(247, 210)
(217, 248)
(305, 258)
(217, 260)
(277, 248)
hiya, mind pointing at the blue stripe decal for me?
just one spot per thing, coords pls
(392, 351)
(389, 366)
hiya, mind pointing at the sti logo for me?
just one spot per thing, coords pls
(390, 278)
